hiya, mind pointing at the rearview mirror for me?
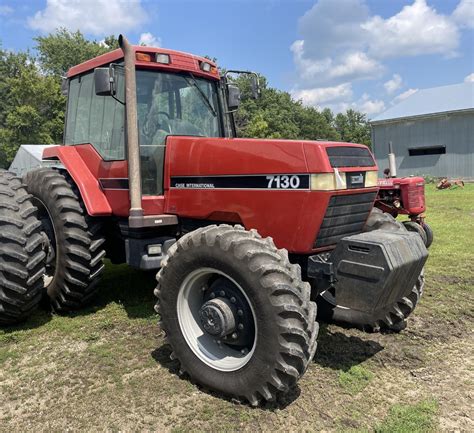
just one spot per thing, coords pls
(103, 81)
(233, 97)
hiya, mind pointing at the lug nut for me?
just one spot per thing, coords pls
(232, 300)
(222, 293)
(241, 326)
(234, 335)
(213, 295)
(240, 312)
(244, 351)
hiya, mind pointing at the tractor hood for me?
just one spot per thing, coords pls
(190, 156)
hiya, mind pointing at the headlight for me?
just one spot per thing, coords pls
(371, 178)
(328, 181)
(338, 180)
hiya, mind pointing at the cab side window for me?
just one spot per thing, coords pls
(98, 120)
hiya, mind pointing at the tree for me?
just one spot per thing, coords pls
(61, 50)
(277, 115)
(353, 127)
(31, 105)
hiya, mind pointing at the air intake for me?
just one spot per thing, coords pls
(346, 156)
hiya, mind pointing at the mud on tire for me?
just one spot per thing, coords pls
(285, 318)
(22, 259)
(75, 262)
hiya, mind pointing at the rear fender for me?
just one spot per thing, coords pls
(94, 198)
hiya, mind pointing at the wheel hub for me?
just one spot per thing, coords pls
(218, 317)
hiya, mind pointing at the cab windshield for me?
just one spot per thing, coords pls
(172, 104)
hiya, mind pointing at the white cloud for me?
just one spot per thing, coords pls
(149, 40)
(357, 64)
(5, 10)
(320, 95)
(394, 84)
(416, 29)
(338, 99)
(331, 51)
(97, 17)
(341, 42)
(404, 95)
(350, 67)
(371, 107)
(469, 78)
(464, 13)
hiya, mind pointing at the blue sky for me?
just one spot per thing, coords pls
(362, 54)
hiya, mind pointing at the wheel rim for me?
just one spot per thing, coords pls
(207, 294)
(48, 228)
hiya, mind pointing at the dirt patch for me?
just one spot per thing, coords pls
(126, 381)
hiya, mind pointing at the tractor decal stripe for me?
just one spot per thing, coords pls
(114, 183)
(260, 182)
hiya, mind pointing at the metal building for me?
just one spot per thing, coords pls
(432, 133)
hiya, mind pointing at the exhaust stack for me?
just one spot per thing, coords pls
(133, 149)
(391, 161)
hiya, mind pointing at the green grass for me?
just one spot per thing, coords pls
(355, 379)
(417, 418)
(450, 266)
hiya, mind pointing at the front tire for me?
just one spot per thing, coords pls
(236, 313)
(429, 234)
(74, 263)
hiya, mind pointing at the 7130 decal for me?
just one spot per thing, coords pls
(284, 181)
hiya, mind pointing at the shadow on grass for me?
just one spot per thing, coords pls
(120, 284)
(162, 356)
(131, 288)
(341, 352)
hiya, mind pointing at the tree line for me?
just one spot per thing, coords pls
(32, 106)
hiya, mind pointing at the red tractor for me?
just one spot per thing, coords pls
(247, 235)
(404, 196)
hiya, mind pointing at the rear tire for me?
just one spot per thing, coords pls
(76, 249)
(22, 259)
(282, 342)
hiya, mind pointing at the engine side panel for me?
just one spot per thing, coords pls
(292, 216)
(103, 184)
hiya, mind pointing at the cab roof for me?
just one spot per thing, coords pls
(179, 61)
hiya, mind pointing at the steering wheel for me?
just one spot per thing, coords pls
(165, 126)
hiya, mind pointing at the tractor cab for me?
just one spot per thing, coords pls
(177, 94)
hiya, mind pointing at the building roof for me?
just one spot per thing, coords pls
(443, 99)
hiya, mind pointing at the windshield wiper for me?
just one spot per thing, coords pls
(203, 95)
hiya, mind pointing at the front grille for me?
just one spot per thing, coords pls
(345, 216)
(416, 197)
(346, 156)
